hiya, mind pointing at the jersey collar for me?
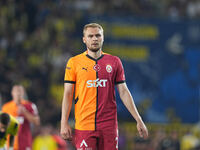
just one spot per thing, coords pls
(86, 53)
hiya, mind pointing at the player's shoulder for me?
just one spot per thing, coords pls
(28, 103)
(30, 106)
(8, 104)
(110, 56)
(11, 102)
(77, 57)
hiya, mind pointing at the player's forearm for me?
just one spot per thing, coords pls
(129, 103)
(35, 119)
(66, 107)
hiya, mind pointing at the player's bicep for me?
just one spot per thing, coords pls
(122, 89)
(67, 96)
(68, 89)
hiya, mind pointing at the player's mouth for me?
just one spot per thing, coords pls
(95, 44)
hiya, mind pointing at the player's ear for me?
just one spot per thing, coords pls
(83, 39)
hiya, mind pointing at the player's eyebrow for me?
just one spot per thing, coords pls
(91, 35)
(98, 34)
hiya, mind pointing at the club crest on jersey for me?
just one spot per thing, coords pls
(109, 68)
(97, 67)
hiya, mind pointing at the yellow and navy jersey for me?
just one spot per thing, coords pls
(94, 79)
(12, 129)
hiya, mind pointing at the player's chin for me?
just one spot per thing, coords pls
(95, 49)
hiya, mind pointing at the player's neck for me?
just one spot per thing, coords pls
(94, 55)
(17, 101)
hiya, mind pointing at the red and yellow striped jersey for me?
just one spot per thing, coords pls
(94, 79)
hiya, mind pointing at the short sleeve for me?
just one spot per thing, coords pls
(120, 77)
(34, 108)
(69, 72)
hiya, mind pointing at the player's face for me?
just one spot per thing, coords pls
(93, 38)
(17, 94)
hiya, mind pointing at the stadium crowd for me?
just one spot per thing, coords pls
(37, 38)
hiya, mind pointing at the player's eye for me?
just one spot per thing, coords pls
(98, 35)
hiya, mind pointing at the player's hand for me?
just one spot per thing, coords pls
(66, 131)
(21, 109)
(142, 129)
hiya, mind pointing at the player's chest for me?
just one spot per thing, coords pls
(95, 70)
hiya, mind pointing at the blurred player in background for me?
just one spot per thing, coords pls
(26, 113)
(48, 139)
(94, 75)
(8, 126)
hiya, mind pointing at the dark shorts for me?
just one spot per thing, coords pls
(96, 140)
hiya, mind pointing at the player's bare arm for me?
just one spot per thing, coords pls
(65, 130)
(35, 119)
(130, 105)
